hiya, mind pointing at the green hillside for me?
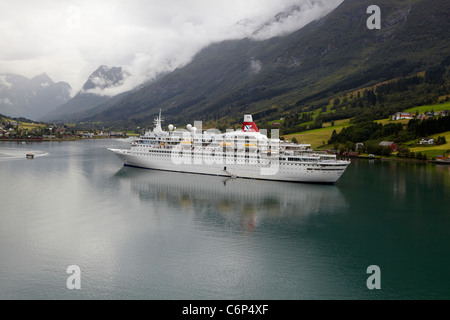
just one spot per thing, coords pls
(318, 137)
(436, 108)
(300, 72)
(435, 150)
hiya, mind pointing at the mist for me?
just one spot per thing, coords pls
(70, 39)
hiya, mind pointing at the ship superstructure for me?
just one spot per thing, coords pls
(245, 153)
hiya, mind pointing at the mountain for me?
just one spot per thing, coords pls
(104, 78)
(95, 92)
(31, 98)
(284, 74)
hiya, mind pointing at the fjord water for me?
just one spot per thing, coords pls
(143, 234)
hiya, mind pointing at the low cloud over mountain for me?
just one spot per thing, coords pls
(146, 38)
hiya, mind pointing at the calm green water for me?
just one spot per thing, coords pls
(141, 234)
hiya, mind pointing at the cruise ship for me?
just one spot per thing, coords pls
(246, 153)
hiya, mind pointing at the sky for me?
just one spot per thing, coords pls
(69, 40)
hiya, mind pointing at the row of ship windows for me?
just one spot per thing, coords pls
(237, 156)
(290, 164)
(165, 153)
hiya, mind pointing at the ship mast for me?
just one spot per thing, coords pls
(157, 122)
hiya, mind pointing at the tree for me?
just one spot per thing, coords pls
(350, 146)
(421, 156)
(336, 146)
(435, 75)
(334, 137)
(336, 102)
(403, 152)
(441, 140)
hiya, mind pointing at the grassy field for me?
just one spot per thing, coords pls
(433, 150)
(386, 121)
(132, 134)
(338, 124)
(25, 125)
(436, 108)
(30, 126)
(318, 137)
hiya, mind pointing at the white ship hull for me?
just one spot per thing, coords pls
(264, 169)
(241, 154)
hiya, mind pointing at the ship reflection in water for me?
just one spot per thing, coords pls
(242, 201)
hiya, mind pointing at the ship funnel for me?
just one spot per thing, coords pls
(249, 125)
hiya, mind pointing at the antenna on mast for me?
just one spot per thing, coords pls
(157, 123)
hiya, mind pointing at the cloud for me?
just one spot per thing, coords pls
(255, 66)
(70, 39)
(5, 101)
(4, 82)
(295, 18)
(107, 87)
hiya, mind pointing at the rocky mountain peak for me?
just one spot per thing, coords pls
(104, 77)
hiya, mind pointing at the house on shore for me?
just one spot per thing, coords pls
(426, 141)
(389, 144)
(421, 116)
(402, 116)
(432, 114)
(359, 146)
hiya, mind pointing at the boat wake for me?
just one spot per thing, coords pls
(15, 154)
(38, 154)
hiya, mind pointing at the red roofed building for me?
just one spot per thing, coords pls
(389, 144)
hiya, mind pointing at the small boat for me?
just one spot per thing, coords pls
(30, 156)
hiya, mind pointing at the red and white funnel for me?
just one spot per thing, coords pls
(249, 125)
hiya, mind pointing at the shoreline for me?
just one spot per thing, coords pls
(59, 139)
(410, 160)
(363, 157)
